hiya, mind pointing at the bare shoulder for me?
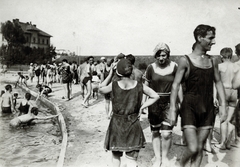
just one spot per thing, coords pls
(183, 62)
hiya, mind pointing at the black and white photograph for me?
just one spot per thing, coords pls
(119, 83)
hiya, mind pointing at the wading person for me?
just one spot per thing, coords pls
(28, 118)
(124, 133)
(199, 72)
(7, 105)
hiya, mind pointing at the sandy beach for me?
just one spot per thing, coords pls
(87, 127)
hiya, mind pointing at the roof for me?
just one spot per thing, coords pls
(28, 28)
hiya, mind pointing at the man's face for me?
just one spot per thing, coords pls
(162, 58)
(208, 41)
(90, 61)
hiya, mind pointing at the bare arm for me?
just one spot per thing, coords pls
(221, 92)
(236, 80)
(107, 80)
(176, 86)
(153, 97)
(180, 94)
(144, 95)
(45, 118)
(106, 89)
(11, 103)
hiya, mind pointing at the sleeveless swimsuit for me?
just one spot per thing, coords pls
(124, 132)
(197, 109)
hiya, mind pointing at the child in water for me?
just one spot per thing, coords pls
(124, 133)
(7, 106)
(25, 104)
(21, 79)
(28, 118)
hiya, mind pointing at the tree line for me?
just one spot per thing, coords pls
(15, 52)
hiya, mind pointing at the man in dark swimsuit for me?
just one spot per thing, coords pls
(199, 72)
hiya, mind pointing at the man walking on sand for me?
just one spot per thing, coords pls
(199, 72)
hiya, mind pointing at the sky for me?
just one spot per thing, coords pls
(110, 27)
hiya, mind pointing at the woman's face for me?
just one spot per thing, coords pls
(162, 58)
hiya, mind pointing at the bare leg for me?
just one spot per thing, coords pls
(208, 144)
(192, 145)
(116, 160)
(156, 142)
(166, 144)
(131, 163)
(69, 90)
(230, 126)
(65, 90)
(223, 129)
(107, 106)
(201, 136)
(89, 91)
(82, 89)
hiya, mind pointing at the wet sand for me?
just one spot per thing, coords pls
(87, 127)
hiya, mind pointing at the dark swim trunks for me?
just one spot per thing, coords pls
(6, 110)
(85, 80)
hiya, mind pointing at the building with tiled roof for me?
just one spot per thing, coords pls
(33, 35)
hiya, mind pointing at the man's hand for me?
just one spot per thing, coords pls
(172, 115)
(216, 102)
(222, 113)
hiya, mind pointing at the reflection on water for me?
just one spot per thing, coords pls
(34, 145)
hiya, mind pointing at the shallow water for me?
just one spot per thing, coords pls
(34, 145)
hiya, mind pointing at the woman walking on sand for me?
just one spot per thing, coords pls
(124, 133)
(159, 76)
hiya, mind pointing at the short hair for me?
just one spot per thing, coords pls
(38, 85)
(8, 87)
(201, 30)
(131, 58)
(28, 96)
(34, 110)
(65, 60)
(19, 73)
(226, 53)
(94, 73)
(194, 45)
(237, 48)
(89, 57)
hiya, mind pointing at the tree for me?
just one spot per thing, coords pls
(14, 36)
(13, 33)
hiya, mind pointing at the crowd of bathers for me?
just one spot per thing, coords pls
(197, 88)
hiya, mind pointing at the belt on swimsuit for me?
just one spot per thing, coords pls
(164, 94)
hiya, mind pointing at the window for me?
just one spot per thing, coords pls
(47, 41)
(34, 40)
(42, 41)
(39, 40)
